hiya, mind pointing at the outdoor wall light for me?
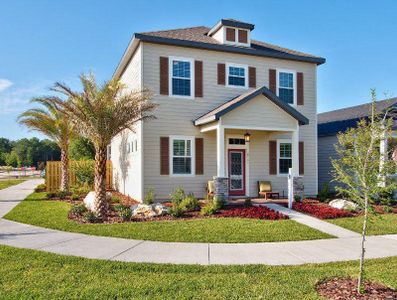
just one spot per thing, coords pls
(247, 137)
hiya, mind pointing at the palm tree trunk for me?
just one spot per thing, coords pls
(64, 171)
(100, 203)
(360, 284)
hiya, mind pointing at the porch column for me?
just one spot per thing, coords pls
(383, 158)
(220, 151)
(220, 180)
(295, 151)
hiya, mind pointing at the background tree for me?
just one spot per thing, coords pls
(361, 169)
(81, 149)
(52, 122)
(99, 113)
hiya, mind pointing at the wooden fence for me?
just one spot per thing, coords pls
(53, 175)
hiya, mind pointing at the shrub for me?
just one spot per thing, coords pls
(209, 209)
(254, 212)
(81, 190)
(190, 203)
(176, 211)
(125, 213)
(385, 198)
(40, 188)
(78, 209)
(149, 197)
(75, 196)
(177, 196)
(120, 207)
(115, 199)
(321, 211)
(387, 209)
(84, 171)
(90, 217)
(324, 194)
(218, 201)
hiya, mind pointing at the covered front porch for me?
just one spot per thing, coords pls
(257, 139)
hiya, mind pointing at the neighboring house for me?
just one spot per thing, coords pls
(216, 88)
(330, 124)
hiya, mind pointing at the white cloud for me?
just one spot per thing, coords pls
(5, 84)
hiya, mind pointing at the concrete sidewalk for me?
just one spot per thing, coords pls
(314, 222)
(282, 253)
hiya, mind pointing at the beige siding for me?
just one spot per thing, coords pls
(259, 112)
(175, 116)
(127, 167)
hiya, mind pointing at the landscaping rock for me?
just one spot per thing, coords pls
(343, 204)
(89, 200)
(144, 210)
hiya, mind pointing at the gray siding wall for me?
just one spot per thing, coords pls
(326, 151)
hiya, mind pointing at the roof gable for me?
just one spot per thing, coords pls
(232, 104)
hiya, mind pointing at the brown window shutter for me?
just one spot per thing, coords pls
(273, 157)
(242, 36)
(272, 80)
(301, 158)
(299, 83)
(230, 34)
(252, 77)
(198, 78)
(164, 156)
(199, 151)
(164, 75)
(221, 74)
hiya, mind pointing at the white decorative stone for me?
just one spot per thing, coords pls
(343, 204)
(144, 210)
(90, 198)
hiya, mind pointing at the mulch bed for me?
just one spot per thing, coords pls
(346, 288)
(321, 210)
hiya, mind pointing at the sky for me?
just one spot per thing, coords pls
(47, 41)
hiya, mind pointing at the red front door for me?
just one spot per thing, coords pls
(236, 166)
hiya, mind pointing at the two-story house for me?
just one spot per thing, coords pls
(230, 108)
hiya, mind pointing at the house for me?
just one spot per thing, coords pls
(230, 108)
(331, 123)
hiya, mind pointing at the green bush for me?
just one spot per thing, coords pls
(324, 195)
(84, 171)
(149, 197)
(385, 198)
(209, 209)
(120, 207)
(176, 211)
(387, 209)
(115, 199)
(177, 196)
(75, 196)
(218, 201)
(125, 213)
(90, 217)
(190, 203)
(81, 190)
(62, 194)
(78, 209)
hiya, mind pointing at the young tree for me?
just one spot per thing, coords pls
(51, 121)
(100, 112)
(362, 169)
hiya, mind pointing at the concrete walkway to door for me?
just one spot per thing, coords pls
(281, 253)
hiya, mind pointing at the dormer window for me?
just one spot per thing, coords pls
(232, 32)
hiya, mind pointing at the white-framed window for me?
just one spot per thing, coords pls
(286, 86)
(237, 39)
(284, 156)
(181, 72)
(237, 75)
(182, 155)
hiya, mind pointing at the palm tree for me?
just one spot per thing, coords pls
(52, 122)
(100, 112)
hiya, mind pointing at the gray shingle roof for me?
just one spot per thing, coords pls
(197, 37)
(332, 122)
(219, 111)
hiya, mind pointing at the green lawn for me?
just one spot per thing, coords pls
(53, 214)
(5, 183)
(381, 224)
(29, 274)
